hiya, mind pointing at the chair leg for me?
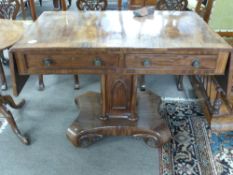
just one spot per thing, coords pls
(142, 84)
(22, 6)
(10, 119)
(4, 60)
(76, 82)
(3, 77)
(179, 82)
(41, 83)
(55, 4)
(69, 1)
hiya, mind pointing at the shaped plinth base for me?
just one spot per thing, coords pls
(88, 128)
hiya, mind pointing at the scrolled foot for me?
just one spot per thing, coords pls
(76, 82)
(23, 139)
(179, 82)
(11, 121)
(87, 140)
(76, 86)
(82, 139)
(142, 84)
(5, 61)
(151, 142)
(21, 104)
(9, 100)
(180, 87)
(143, 87)
(41, 87)
(3, 58)
(4, 86)
(41, 83)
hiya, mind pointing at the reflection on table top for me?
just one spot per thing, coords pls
(11, 31)
(120, 29)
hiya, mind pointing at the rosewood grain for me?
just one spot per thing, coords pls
(119, 47)
(87, 128)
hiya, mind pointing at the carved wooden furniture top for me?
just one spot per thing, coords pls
(121, 30)
(11, 31)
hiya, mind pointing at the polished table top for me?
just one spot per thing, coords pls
(120, 47)
(10, 32)
(121, 30)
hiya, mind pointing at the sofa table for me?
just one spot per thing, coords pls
(119, 47)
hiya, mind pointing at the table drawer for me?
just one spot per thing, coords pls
(169, 61)
(81, 61)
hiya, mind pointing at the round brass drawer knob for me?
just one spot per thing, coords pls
(146, 63)
(97, 62)
(196, 63)
(47, 62)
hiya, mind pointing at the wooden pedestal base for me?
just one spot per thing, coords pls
(88, 127)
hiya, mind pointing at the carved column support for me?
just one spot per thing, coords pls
(88, 128)
(119, 96)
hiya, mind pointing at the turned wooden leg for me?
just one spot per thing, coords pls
(69, 1)
(55, 4)
(41, 83)
(217, 101)
(3, 77)
(76, 82)
(22, 6)
(179, 82)
(32, 9)
(119, 4)
(8, 116)
(142, 84)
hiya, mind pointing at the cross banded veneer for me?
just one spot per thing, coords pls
(119, 47)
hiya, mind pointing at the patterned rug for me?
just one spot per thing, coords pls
(194, 150)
